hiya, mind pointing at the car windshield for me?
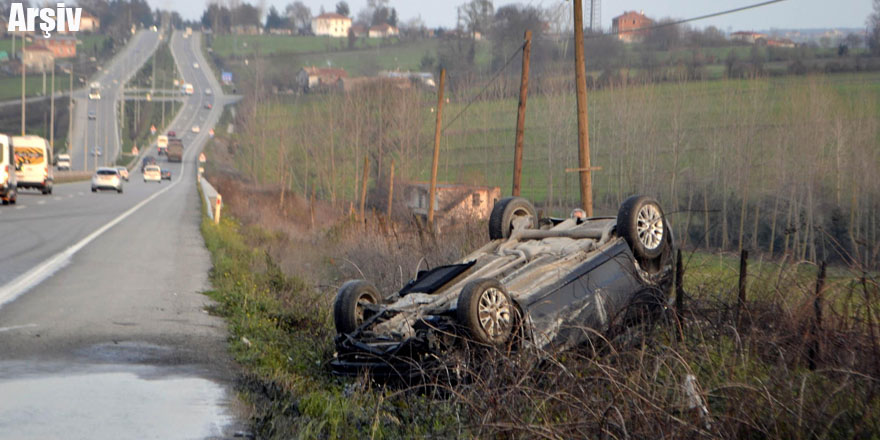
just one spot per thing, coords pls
(106, 172)
(152, 168)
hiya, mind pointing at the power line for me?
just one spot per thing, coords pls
(488, 83)
(688, 20)
(646, 28)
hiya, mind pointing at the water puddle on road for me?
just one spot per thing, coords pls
(89, 401)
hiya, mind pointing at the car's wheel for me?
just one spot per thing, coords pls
(5, 201)
(94, 190)
(348, 310)
(14, 198)
(505, 212)
(119, 190)
(641, 222)
(486, 311)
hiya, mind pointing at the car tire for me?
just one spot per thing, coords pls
(505, 211)
(486, 311)
(641, 222)
(348, 313)
(4, 201)
(119, 190)
(94, 190)
(14, 198)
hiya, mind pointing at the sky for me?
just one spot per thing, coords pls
(788, 14)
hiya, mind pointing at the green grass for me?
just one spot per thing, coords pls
(10, 87)
(246, 45)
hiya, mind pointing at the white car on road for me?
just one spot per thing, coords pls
(152, 173)
(195, 129)
(107, 178)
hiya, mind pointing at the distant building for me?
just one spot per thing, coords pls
(359, 30)
(62, 46)
(383, 30)
(424, 78)
(314, 78)
(777, 42)
(281, 31)
(331, 24)
(630, 26)
(747, 36)
(452, 201)
(38, 58)
(89, 23)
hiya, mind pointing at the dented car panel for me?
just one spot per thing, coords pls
(566, 280)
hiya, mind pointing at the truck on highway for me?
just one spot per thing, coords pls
(161, 144)
(187, 89)
(175, 150)
(95, 91)
(63, 162)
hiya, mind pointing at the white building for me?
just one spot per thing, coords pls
(331, 24)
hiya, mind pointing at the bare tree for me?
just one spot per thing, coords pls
(299, 14)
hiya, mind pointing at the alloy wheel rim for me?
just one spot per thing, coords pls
(649, 225)
(494, 312)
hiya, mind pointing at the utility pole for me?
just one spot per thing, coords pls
(390, 192)
(23, 88)
(70, 113)
(86, 147)
(433, 190)
(586, 179)
(52, 112)
(521, 114)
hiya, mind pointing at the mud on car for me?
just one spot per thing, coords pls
(545, 283)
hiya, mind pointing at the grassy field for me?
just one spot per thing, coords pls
(267, 45)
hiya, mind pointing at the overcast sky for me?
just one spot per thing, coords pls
(785, 15)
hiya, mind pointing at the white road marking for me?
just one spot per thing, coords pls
(31, 278)
(16, 327)
(41, 202)
(58, 198)
(21, 206)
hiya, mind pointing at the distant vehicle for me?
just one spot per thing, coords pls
(149, 160)
(175, 150)
(166, 174)
(172, 133)
(63, 162)
(187, 89)
(123, 171)
(188, 31)
(92, 115)
(161, 144)
(96, 151)
(208, 105)
(95, 91)
(8, 186)
(209, 92)
(152, 173)
(195, 65)
(154, 28)
(195, 129)
(107, 178)
(32, 156)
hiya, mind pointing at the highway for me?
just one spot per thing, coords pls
(104, 331)
(103, 130)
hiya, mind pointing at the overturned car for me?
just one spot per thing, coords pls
(547, 283)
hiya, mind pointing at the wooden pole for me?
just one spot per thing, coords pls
(390, 191)
(436, 162)
(743, 273)
(583, 122)
(521, 114)
(813, 351)
(366, 175)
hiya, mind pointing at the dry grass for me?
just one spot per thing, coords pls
(779, 373)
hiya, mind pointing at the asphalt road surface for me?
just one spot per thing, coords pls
(104, 331)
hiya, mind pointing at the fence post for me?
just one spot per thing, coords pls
(218, 203)
(816, 329)
(741, 298)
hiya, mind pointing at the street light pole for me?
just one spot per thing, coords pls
(52, 112)
(70, 113)
(23, 88)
